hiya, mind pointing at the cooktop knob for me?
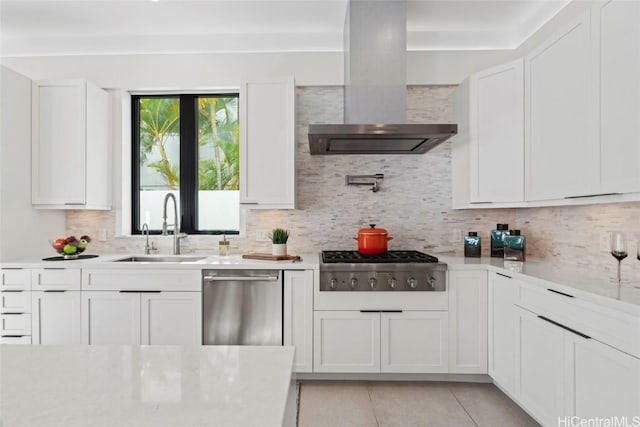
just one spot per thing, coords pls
(333, 283)
(353, 282)
(392, 283)
(432, 282)
(373, 282)
(413, 283)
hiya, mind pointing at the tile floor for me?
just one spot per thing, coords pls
(406, 404)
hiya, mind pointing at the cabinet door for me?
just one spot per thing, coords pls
(616, 44)
(497, 135)
(414, 341)
(501, 330)
(171, 318)
(110, 318)
(540, 369)
(55, 279)
(346, 341)
(15, 279)
(267, 144)
(602, 382)
(468, 322)
(559, 150)
(58, 142)
(55, 317)
(298, 317)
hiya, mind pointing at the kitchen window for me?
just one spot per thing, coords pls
(188, 145)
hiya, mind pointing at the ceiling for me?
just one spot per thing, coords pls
(79, 27)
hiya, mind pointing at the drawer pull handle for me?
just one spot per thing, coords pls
(560, 293)
(370, 311)
(55, 290)
(391, 311)
(14, 336)
(546, 319)
(13, 314)
(139, 292)
(504, 275)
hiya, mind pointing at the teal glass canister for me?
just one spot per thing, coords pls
(497, 240)
(514, 246)
(472, 245)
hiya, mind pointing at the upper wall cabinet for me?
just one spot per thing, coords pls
(560, 153)
(267, 144)
(70, 163)
(487, 153)
(616, 47)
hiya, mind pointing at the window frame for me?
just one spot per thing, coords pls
(188, 160)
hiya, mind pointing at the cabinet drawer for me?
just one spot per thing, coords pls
(25, 339)
(15, 324)
(55, 279)
(15, 302)
(619, 330)
(15, 279)
(142, 280)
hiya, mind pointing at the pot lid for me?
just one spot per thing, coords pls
(372, 231)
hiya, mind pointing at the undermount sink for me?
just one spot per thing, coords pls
(175, 258)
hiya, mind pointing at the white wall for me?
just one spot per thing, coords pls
(24, 231)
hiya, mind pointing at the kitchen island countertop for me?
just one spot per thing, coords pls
(146, 386)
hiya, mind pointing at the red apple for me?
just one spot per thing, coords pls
(59, 244)
(71, 240)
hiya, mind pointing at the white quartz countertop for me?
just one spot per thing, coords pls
(586, 284)
(144, 385)
(308, 262)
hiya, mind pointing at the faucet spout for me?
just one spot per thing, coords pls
(147, 248)
(176, 222)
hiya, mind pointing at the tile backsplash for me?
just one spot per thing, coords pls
(413, 204)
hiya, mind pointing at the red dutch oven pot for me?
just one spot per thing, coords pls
(372, 241)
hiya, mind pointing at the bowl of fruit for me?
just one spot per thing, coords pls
(71, 247)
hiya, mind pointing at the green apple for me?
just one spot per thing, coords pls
(83, 244)
(70, 249)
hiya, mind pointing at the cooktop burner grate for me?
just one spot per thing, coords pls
(351, 257)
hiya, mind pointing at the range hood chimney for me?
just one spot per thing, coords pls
(375, 75)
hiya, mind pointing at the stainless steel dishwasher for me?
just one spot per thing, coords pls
(242, 307)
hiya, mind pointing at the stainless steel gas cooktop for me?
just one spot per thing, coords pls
(350, 271)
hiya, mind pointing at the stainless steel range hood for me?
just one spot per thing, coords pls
(375, 88)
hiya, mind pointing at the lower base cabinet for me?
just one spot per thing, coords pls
(380, 341)
(561, 374)
(55, 317)
(157, 318)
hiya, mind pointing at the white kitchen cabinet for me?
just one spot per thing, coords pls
(55, 317)
(298, 317)
(380, 341)
(171, 318)
(501, 330)
(603, 382)
(70, 159)
(540, 367)
(267, 144)
(560, 153)
(15, 279)
(467, 321)
(616, 45)
(110, 317)
(145, 317)
(414, 342)
(488, 151)
(346, 341)
(55, 278)
(15, 306)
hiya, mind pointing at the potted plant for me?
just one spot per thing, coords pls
(279, 237)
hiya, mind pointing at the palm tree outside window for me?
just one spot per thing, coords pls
(187, 145)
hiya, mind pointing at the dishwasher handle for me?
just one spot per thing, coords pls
(209, 278)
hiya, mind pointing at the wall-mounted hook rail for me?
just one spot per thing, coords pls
(364, 180)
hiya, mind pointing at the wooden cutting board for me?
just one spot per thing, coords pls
(269, 257)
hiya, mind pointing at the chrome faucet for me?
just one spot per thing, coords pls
(147, 248)
(176, 222)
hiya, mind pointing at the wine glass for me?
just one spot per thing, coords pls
(618, 249)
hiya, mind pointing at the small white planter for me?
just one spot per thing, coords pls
(279, 249)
